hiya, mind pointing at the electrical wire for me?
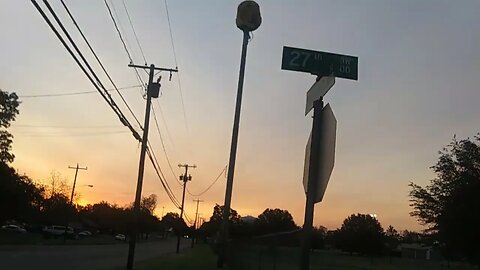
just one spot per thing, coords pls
(139, 78)
(63, 127)
(163, 145)
(161, 177)
(70, 135)
(171, 34)
(134, 32)
(189, 220)
(75, 93)
(165, 123)
(99, 62)
(210, 186)
(105, 94)
(158, 165)
(170, 196)
(176, 64)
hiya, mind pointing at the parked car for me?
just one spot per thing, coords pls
(120, 237)
(13, 228)
(84, 233)
(56, 231)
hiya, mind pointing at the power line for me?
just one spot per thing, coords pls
(170, 196)
(165, 123)
(171, 34)
(189, 220)
(122, 40)
(163, 144)
(118, 31)
(160, 170)
(74, 93)
(176, 64)
(99, 62)
(105, 94)
(210, 186)
(161, 177)
(72, 135)
(134, 32)
(63, 127)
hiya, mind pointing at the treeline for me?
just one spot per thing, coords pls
(34, 205)
(360, 233)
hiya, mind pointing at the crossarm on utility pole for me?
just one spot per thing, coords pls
(154, 68)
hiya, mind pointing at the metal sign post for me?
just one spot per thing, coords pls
(318, 90)
(312, 185)
(320, 150)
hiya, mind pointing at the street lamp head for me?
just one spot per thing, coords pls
(248, 16)
(89, 185)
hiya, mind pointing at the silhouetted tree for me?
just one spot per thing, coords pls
(8, 111)
(274, 220)
(450, 204)
(55, 209)
(362, 234)
(212, 227)
(319, 235)
(173, 221)
(411, 237)
(57, 184)
(149, 203)
(392, 239)
(20, 198)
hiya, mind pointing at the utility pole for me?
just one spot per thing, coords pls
(153, 90)
(183, 178)
(195, 222)
(71, 198)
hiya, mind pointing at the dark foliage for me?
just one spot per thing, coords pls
(450, 204)
(274, 220)
(8, 111)
(172, 221)
(361, 234)
(212, 227)
(20, 198)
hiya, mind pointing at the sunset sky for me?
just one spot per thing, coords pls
(418, 86)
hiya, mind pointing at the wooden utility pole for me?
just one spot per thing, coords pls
(184, 178)
(195, 223)
(71, 198)
(153, 90)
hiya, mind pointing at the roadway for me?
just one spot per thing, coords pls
(79, 257)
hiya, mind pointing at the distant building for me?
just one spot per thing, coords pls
(415, 251)
(248, 219)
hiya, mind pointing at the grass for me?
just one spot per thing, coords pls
(16, 238)
(202, 257)
(256, 257)
(199, 258)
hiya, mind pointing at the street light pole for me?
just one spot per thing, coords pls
(248, 19)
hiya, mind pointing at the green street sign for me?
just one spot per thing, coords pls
(320, 63)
